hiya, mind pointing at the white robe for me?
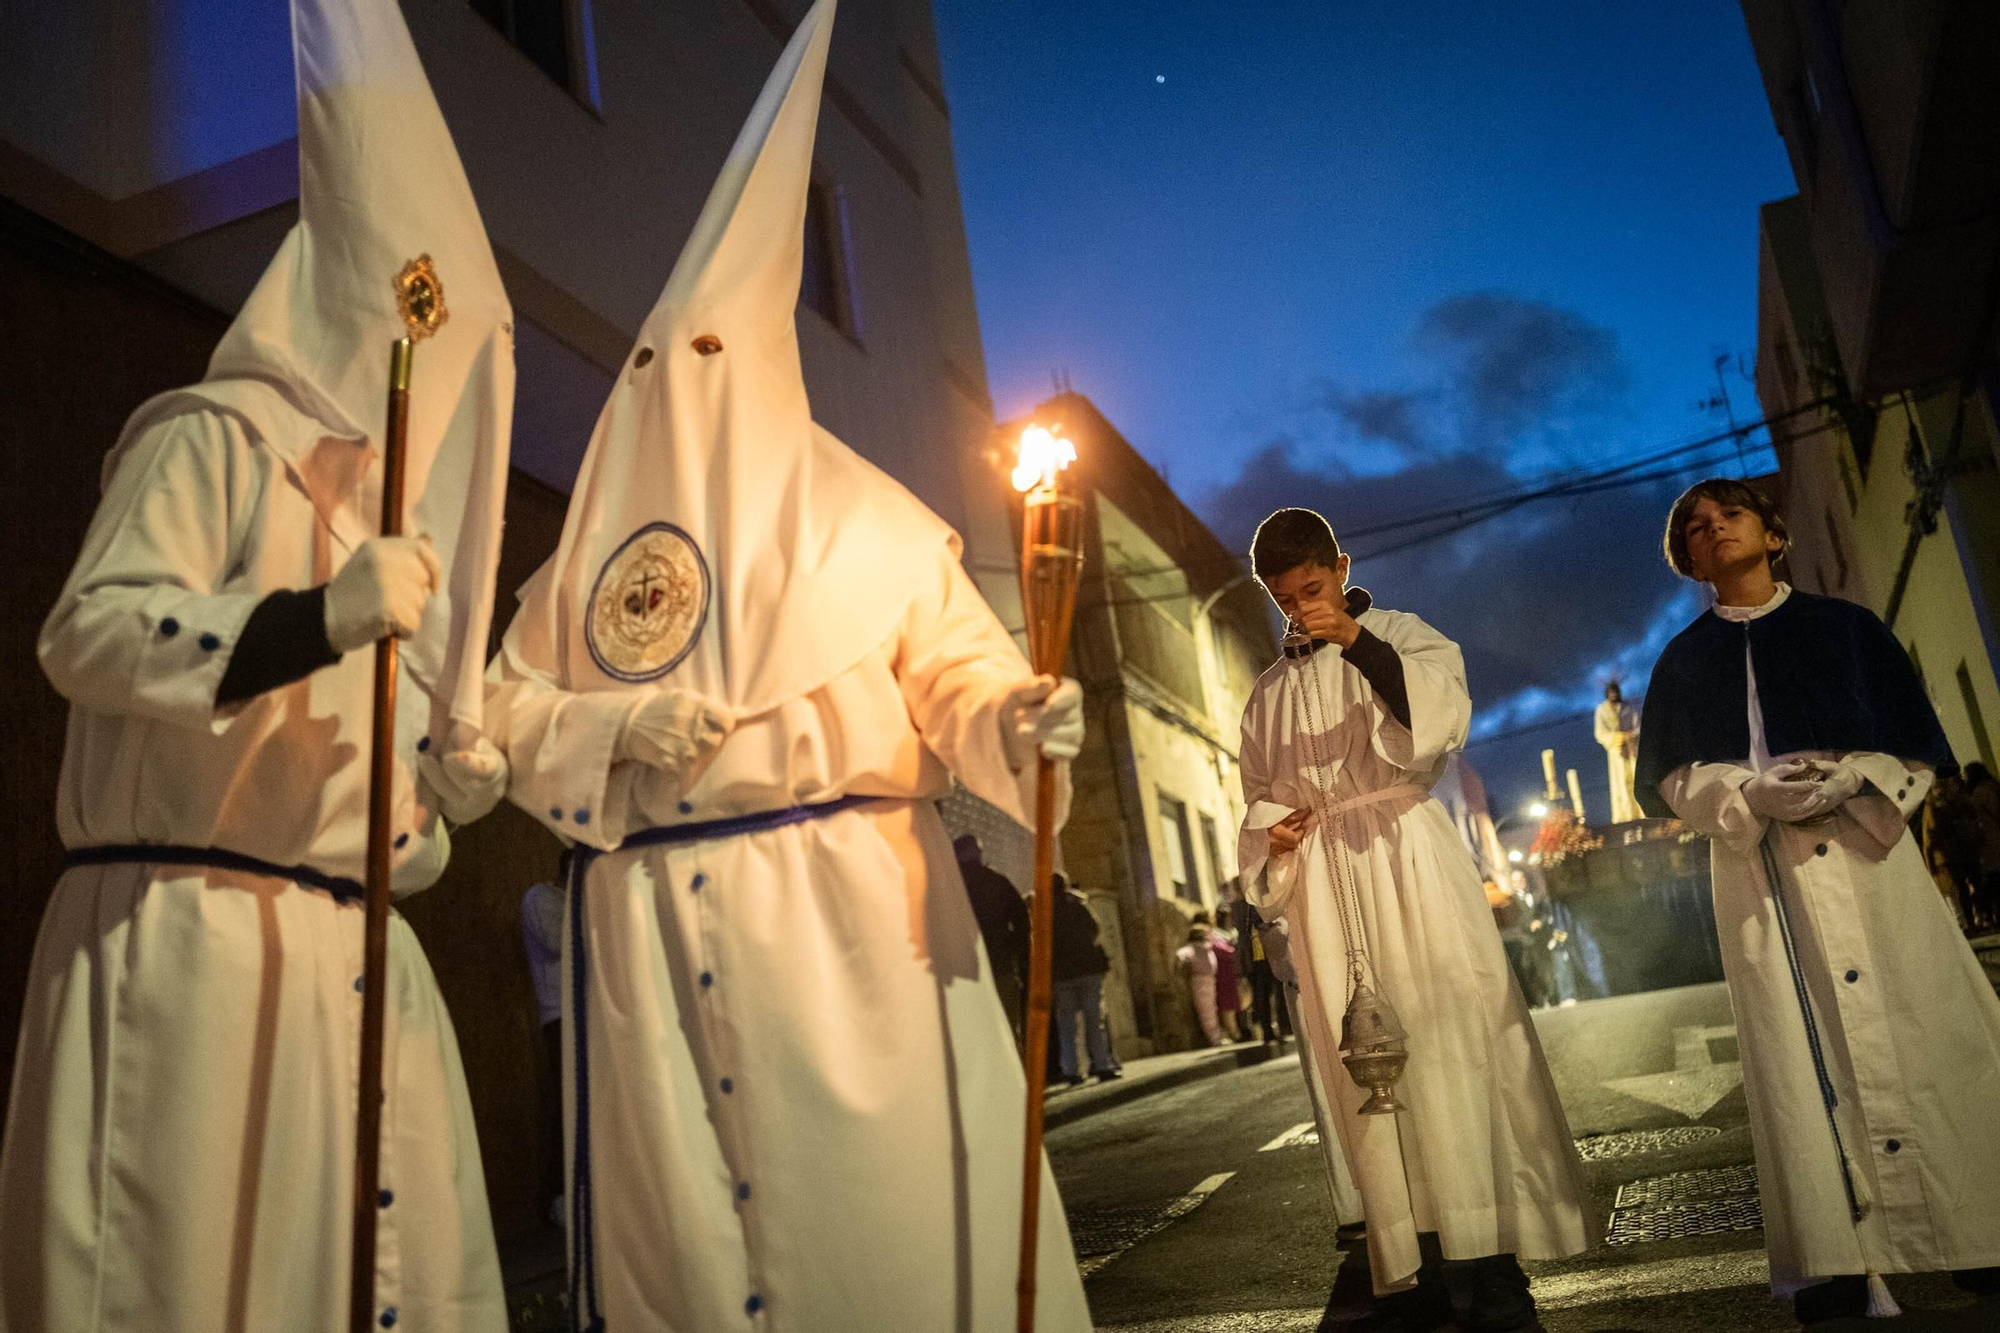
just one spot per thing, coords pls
(805, 1103)
(1490, 1164)
(1908, 1023)
(180, 1138)
(1618, 732)
(1346, 1199)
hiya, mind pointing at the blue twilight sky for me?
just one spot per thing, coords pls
(1380, 258)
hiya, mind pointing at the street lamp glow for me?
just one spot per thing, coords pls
(1539, 809)
(1515, 856)
(1043, 453)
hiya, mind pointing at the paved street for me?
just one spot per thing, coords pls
(1203, 1206)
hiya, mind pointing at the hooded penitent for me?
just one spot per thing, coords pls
(305, 364)
(717, 539)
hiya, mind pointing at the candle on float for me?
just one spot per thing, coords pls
(1576, 795)
(1549, 774)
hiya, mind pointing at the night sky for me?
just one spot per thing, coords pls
(1379, 259)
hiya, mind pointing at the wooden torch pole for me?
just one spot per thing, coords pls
(375, 930)
(1051, 560)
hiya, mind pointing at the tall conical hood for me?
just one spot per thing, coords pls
(717, 539)
(305, 363)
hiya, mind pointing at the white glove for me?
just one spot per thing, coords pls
(676, 732)
(381, 591)
(1843, 781)
(424, 866)
(1784, 794)
(1044, 716)
(465, 784)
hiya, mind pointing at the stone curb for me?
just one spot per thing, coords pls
(1127, 1090)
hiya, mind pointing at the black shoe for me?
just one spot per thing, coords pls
(1501, 1302)
(1074, 1081)
(1423, 1308)
(1981, 1282)
(1840, 1298)
(1107, 1075)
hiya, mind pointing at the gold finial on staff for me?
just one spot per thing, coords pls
(420, 298)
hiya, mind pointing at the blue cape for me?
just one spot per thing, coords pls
(1830, 676)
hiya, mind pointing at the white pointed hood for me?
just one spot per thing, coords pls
(305, 364)
(717, 539)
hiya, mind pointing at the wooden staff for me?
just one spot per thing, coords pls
(1051, 561)
(421, 299)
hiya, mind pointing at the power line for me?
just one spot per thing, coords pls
(1579, 481)
(1626, 474)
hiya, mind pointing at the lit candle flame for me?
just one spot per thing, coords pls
(1043, 454)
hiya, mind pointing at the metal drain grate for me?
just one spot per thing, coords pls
(1633, 1143)
(1684, 1187)
(1711, 1217)
(1101, 1235)
(1110, 1230)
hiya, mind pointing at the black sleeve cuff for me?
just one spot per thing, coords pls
(1382, 667)
(283, 640)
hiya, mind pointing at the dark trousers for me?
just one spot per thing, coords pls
(552, 1111)
(1264, 1000)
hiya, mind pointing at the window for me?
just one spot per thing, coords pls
(1979, 736)
(553, 34)
(823, 285)
(1179, 844)
(1212, 844)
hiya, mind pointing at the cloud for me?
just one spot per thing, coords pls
(1385, 416)
(1487, 371)
(1514, 365)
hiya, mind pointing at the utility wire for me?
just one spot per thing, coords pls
(1580, 481)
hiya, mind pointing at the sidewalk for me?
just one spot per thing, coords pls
(1156, 1073)
(1987, 949)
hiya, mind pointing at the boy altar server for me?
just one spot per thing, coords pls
(794, 1100)
(180, 1144)
(1359, 729)
(1793, 731)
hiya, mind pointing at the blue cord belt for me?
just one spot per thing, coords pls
(669, 835)
(214, 858)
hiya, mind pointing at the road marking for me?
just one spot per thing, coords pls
(1298, 1135)
(1168, 1215)
(1664, 1277)
(1696, 1082)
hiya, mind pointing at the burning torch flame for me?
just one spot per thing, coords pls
(1043, 454)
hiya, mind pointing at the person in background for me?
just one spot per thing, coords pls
(1982, 793)
(542, 908)
(1268, 1009)
(1617, 729)
(1197, 963)
(1228, 994)
(1002, 915)
(1951, 831)
(1079, 968)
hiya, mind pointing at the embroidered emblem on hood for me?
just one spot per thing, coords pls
(649, 604)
